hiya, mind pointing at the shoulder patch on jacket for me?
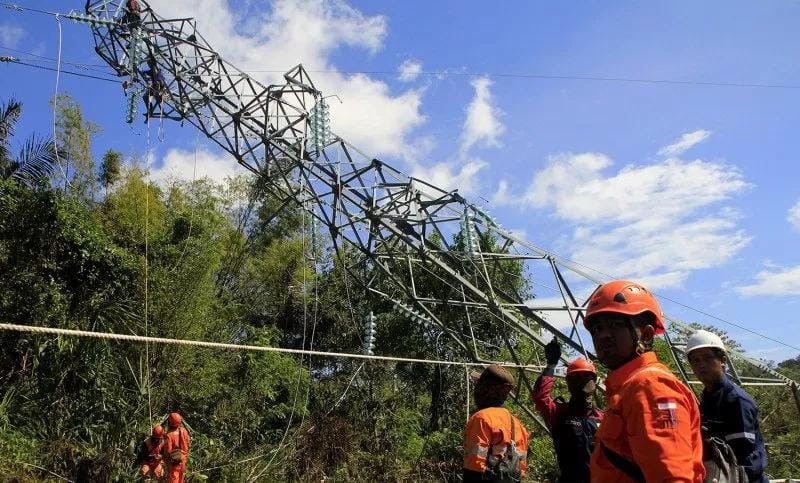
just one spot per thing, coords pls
(665, 415)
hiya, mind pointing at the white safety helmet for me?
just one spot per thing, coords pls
(704, 338)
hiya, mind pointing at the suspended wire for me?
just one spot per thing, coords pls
(67, 72)
(55, 104)
(147, 263)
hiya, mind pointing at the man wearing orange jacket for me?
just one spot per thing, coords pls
(495, 441)
(150, 454)
(651, 428)
(176, 448)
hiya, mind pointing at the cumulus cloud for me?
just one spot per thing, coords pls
(409, 70)
(483, 118)
(450, 176)
(180, 165)
(686, 142)
(794, 216)
(256, 40)
(10, 35)
(774, 282)
(656, 222)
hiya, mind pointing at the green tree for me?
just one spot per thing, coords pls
(36, 160)
(74, 147)
(110, 169)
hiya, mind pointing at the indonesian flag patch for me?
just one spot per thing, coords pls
(666, 414)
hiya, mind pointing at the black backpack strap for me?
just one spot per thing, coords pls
(623, 464)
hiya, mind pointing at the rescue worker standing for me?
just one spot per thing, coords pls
(149, 458)
(651, 427)
(572, 424)
(726, 410)
(495, 441)
(176, 448)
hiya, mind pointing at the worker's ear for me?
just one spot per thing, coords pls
(646, 333)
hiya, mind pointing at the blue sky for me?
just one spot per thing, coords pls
(693, 189)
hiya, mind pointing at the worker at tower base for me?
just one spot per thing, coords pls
(651, 427)
(572, 423)
(727, 412)
(176, 448)
(495, 441)
(149, 459)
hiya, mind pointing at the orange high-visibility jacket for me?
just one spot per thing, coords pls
(653, 421)
(178, 439)
(488, 431)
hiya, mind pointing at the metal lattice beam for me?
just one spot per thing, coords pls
(403, 229)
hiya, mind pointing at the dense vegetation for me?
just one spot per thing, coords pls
(104, 249)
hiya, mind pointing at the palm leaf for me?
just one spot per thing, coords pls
(36, 161)
(10, 113)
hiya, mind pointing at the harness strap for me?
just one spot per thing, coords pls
(623, 464)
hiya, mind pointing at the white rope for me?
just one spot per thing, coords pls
(55, 104)
(466, 379)
(255, 348)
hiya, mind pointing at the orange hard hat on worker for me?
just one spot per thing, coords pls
(623, 297)
(158, 431)
(175, 420)
(581, 365)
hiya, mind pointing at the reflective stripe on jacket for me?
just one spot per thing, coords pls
(489, 431)
(730, 414)
(573, 434)
(653, 421)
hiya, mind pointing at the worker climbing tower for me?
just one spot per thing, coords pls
(396, 230)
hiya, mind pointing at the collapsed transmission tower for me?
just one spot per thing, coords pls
(393, 232)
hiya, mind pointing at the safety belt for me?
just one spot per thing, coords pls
(623, 464)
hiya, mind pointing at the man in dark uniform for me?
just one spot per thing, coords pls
(572, 423)
(727, 412)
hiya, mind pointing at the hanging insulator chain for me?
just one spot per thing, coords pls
(472, 244)
(417, 317)
(319, 121)
(369, 334)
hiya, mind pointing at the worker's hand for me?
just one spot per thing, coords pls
(552, 352)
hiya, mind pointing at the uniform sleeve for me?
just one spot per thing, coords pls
(741, 426)
(543, 396)
(478, 438)
(168, 445)
(658, 421)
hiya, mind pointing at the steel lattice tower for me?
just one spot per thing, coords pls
(396, 230)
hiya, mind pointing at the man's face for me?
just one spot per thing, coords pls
(706, 365)
(613, 341)
(582, 384)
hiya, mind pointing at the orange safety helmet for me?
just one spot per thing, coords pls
(158, 431)
(624, 297)
(175, 420)
(581, 365)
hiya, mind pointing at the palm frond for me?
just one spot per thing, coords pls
(36, 162)
(10, 113)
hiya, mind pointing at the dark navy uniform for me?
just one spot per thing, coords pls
(572, 430)
(731, 415)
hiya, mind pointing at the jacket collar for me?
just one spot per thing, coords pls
(618, 376)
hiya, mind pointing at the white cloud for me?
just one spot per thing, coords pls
(656, 223)
(686, 142)
(409, 70)
(10, 35)
(450, 176)
(180, 165)
(780, 282)
(374, 119)
(794, 216)
(482, 123)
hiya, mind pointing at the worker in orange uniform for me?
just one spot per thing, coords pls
(176, 448)
(150, 455)
(651, 428)
(495, 441)
(572, 423)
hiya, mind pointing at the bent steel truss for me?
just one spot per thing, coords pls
(405, 232)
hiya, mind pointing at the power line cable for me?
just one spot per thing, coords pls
(78, 74)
